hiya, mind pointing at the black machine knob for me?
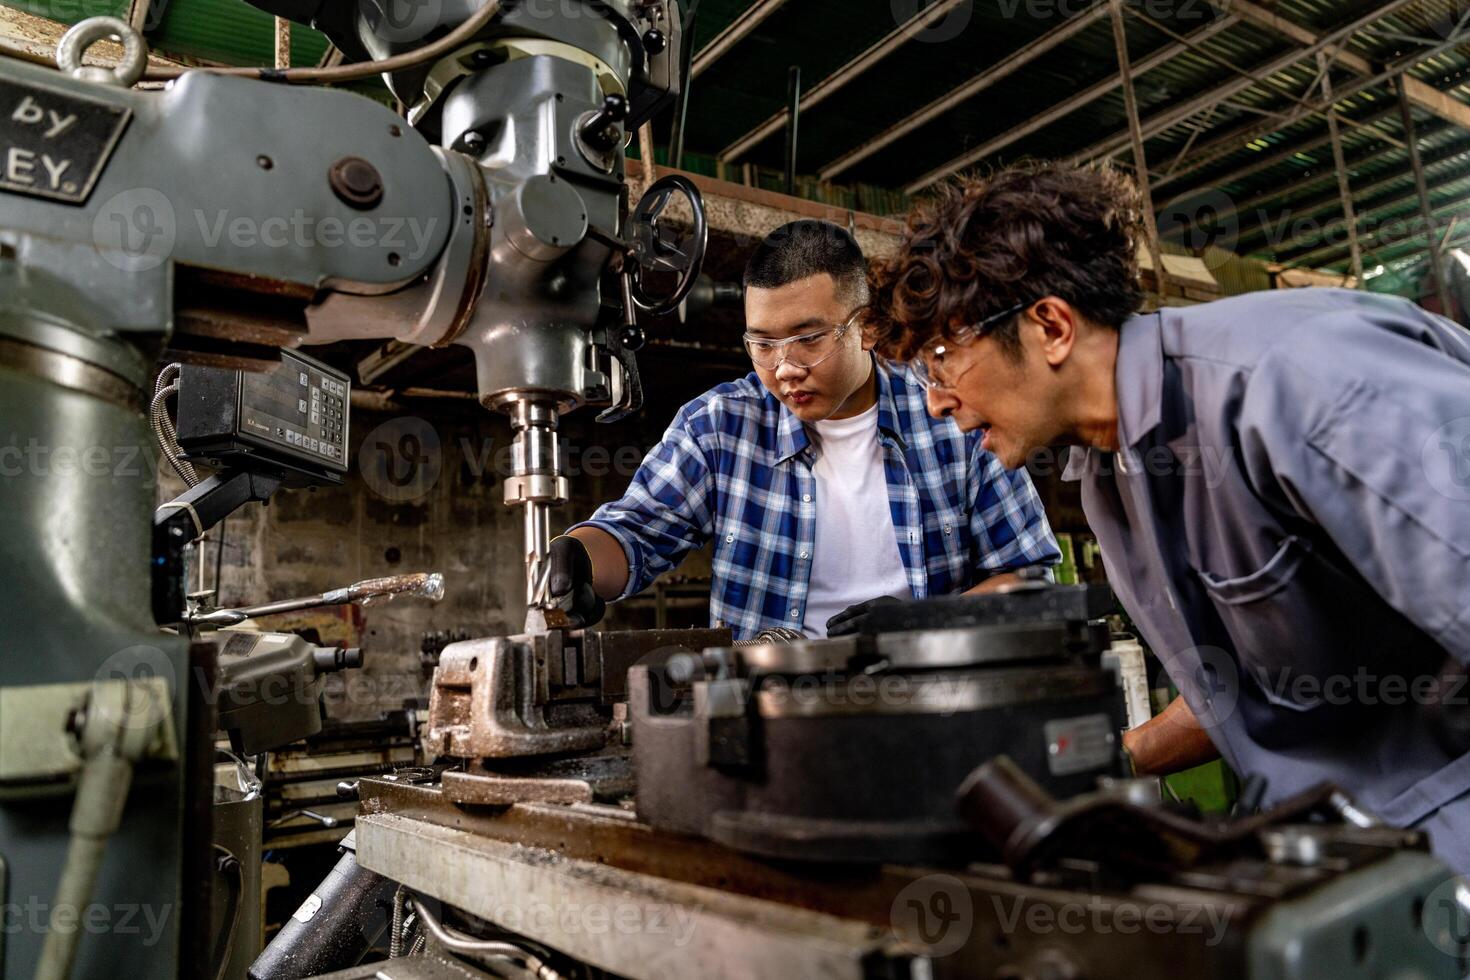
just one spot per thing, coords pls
(604, 127)
(329, 659)
(655, 41)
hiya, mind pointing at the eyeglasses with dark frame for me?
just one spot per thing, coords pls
(928, 366)
(804, 350)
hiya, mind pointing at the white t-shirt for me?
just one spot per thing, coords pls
(856, 554)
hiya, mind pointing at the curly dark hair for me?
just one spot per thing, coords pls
(986, 243)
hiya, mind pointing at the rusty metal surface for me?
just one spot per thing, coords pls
(612, 836)
(544, 694)
(633, 925)
(491, 699)
(468, 787)
(580, 850)
(981, 922)
(580, 779)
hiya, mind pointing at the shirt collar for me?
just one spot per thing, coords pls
(1139, 376)
(791, 435)
(892, 382)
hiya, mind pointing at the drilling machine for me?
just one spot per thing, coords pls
(493, 214)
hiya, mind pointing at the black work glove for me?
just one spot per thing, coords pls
(853, 618)
(570, 581)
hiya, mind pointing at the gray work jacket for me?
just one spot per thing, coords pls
(1288, 523)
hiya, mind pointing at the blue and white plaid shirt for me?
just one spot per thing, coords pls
(736, 466)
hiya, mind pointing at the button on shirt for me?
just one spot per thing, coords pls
(736, 466)
(855, 557)
(1288, 523)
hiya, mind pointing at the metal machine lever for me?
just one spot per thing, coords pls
(603, 128)
(428, 585)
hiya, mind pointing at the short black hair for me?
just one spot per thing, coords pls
(805, 248)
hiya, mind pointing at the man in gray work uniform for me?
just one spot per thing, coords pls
(1280, 482)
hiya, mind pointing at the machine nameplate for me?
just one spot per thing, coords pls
(54, 144)
(1076, 745)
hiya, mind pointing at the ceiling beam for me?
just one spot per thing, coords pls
(1270, 160)
(1327, 173)
(836, 81)
(1314, 255)
(738, 30)
(1309, 259)
(1091, 94)
(1231, 142)
(1363, 212)
(1169, 118)
(1425, 96)
(1407, 254)
(979, 83)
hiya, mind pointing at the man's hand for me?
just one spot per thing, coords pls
(570, 581)
(852, 619)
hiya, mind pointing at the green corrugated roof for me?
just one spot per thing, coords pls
(748, 85)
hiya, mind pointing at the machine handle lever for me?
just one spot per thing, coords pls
(603, 128)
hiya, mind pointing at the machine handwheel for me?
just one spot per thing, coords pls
(658, 248)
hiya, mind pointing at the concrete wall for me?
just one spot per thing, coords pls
(424, 493)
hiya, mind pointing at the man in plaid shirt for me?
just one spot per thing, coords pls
(820, 476)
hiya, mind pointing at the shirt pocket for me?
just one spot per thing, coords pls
(949, 526)
(1312, 640)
